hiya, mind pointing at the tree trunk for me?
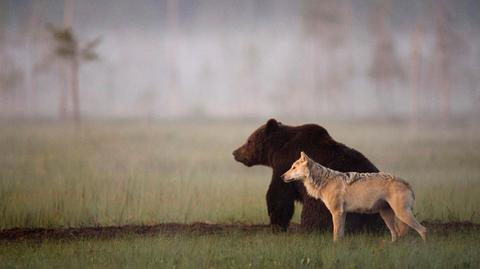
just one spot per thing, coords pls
(444, 85)
(62, 103)
(173, 105)
(75, 89)
(71, 76)
(443, 62)
(415, 73)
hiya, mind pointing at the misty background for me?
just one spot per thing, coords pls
(240, 59)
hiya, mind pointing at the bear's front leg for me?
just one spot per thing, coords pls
(280, 203)
(315, 215)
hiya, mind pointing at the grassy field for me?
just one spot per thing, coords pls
(116, 173)
(238, 250)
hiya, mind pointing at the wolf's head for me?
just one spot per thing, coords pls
(300, 169)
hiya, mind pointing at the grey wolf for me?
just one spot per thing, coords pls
(382, 193)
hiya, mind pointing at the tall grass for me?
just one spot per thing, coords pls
(53, 175)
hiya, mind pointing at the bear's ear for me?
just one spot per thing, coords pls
(271, 125)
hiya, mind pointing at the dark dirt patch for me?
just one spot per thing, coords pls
(40, 234)
(118, 231)
(451, 227)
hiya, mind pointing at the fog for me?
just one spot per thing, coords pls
(242, 59)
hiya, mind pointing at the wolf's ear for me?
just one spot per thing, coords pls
(272, 125)
(304, 156)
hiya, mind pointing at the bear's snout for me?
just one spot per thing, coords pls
(237, 155)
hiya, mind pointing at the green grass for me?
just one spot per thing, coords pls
(123, 173)
(53, 175)
(239, 250)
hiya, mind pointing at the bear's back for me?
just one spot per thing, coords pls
(316, 142)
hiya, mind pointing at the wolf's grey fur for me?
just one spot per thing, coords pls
(342, 193)
(321, 174)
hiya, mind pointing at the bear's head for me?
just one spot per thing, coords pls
(256, 150)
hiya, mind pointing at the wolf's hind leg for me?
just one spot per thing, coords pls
(401, 228)
(406, 215)
(389, 217)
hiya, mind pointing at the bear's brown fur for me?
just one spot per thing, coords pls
(278, 146)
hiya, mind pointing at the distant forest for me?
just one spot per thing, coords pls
(70, 59)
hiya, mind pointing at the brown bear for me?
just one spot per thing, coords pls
(278, 146)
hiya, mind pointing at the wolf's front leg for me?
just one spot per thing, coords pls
(389, 217)
(338, 225)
